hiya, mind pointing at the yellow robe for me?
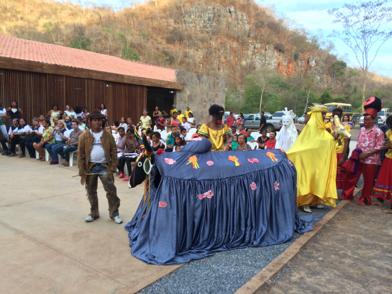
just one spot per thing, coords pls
(314, 157)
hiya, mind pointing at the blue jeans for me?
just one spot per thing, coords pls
(52, 150)
(65, 150)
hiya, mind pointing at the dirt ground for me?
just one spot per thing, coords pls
(351, 254)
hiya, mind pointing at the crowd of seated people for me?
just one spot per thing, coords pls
(56, 134)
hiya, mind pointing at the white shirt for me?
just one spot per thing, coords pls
(70, 113)
(104, 112)
(97, 154)
(3, 112)
(186, 125)
(21, 130)
(123, 125)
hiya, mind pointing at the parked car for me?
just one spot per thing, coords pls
(276, 119)
(252, 120)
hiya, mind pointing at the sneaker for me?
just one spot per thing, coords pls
(117, 219)
(90, 218)
(307, 209)
(121, 175)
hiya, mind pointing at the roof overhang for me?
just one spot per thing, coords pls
(39, 67)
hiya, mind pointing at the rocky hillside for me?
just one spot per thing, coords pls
(228, 38)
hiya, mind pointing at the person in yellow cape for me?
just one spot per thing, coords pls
(216, 131)
(314, 157)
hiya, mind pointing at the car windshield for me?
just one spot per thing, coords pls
(278, 114)
(382, 112)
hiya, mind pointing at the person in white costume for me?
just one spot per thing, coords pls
(287, 135)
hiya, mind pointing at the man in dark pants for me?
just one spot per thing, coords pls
(98, 159)
(263, 121)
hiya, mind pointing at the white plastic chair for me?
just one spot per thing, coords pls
(47, 156)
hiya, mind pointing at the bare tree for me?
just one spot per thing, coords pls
(365, 29)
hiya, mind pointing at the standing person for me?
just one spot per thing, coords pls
(174, 122)
(54, 115)
(230, 120)
(156, 114)
(263, 121)
(240, 121)
(217, 132)
(3, 130)
(98, 159)
(383, 187)
(103, 110)
(145, 121)
(371, 143)
(342, 144)
(71, 144)
(314, 157)
(14, 112)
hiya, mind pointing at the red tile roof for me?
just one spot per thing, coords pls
(33, 51)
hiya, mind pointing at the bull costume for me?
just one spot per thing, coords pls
(198, 202)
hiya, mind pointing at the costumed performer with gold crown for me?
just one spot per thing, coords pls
(314, 157)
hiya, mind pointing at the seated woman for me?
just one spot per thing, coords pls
(59, 141)
(215, 131)
(242, 145)
(156, 142)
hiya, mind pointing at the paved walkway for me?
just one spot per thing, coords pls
(351, 254)
(45, 245)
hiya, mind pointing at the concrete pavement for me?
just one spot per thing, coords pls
(45, 245)
(352, 254)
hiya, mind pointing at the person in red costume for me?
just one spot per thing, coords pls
(370, 143)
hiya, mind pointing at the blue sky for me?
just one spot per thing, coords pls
(310, 15)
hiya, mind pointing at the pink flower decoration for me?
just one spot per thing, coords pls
(209, 194)
(162, 204)
(169, 161)
(253, 186)
(276, 186)
(210, 163)
(253, 160)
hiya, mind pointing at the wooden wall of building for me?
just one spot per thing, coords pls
(36, 93)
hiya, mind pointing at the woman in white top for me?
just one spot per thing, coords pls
(54, 114)
(70, 112)
(103, 110)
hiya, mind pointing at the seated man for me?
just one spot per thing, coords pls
(18, 137)
(34, 137)
(71, 144)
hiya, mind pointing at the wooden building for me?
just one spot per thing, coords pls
(39, 75)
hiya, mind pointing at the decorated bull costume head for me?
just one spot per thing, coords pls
(144, 165)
